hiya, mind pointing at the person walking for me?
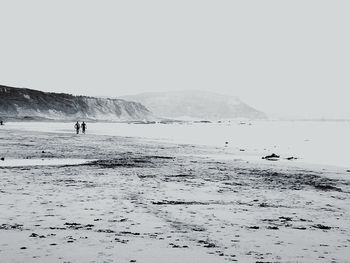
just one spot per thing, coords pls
(77, 127)
(83, 127)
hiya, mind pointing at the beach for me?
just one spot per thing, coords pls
(118, 198)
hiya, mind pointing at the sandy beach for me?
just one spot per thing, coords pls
(137, 200)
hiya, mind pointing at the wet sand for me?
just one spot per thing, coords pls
(143, 201)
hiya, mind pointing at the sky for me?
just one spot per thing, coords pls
(287, 58)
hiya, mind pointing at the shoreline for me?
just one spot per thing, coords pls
(311, 151)
(215, 152)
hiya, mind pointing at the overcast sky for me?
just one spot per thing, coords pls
(284, 57)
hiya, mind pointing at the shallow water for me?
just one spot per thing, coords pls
(314, 142)
(41, 162)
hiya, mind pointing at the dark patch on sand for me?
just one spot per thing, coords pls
(131, 161)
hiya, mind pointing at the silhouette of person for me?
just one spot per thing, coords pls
(83, 127)
(77, 127)
(1, 123)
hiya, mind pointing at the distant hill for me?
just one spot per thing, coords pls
(23, 103)
(196, 104)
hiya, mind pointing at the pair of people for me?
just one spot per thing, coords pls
(77, 127)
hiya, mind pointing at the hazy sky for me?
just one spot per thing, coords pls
(283, 57)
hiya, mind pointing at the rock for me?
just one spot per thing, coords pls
(210, 245)
(2, 158)
(320, 226)
(285, 218)
(271, 157)
(263, 205)
(291, 158)
(300, 227)
(253, 227)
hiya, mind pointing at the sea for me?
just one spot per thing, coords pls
(314, 142)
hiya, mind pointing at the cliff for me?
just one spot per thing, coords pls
(29, 103)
